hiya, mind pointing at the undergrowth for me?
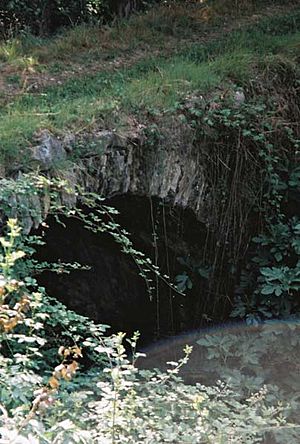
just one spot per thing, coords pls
(114, 402)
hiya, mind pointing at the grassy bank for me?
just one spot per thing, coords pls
(91, 83)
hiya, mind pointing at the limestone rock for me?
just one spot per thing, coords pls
(171, 169)
(49, 151)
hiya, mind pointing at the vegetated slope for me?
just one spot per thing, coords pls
(88, 77)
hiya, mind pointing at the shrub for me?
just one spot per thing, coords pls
(43, 17)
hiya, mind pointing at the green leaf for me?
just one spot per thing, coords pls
(268, 289)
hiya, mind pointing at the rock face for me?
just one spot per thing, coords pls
(49, 150)
(169, 169)
(164, 167)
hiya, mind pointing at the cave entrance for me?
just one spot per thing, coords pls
(112, 292)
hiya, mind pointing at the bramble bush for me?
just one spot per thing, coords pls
(254, 231)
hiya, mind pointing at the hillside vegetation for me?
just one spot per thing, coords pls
(93, 76)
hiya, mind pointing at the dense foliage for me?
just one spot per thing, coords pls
(114, 402)
(252, 155)
(45, 16)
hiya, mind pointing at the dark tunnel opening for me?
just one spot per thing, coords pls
(112, 292)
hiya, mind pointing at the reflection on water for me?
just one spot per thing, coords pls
(247, 358)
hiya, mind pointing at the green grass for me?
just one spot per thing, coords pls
(153, 28)
(268, 35)
(155, 83)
